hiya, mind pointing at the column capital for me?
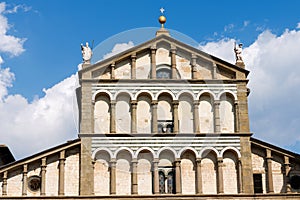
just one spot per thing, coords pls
(25, 169)
(217, 102)
(175, 102)
(236, 102)
(133, 56)
(268, 154)
(134, 161)
(154, 102)
(173, 49)
(155, 160)
(220, 160)
(133, 102)
(153, 48)
(113, 102)
(196, 102)
(44, 162)
(198, 160)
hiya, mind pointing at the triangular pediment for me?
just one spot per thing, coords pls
(190, 62)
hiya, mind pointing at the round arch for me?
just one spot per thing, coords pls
(210, 93)
(226, 92)
(145, 148)
(124, 149)
(186, 92)
(183, 150)
(101, 91)
(167, 148)
(102, 149)
(232, 149)
(165, 91)
(141, 92)
(209, 149)
(123, 92)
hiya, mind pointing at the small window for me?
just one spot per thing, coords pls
(163, 73)
(34, 183)
(257, 179)
(161, 182)
(295, 182)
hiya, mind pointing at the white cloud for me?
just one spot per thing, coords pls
(298, 25)
(28, 127)
(8, 43)
(273, 62)
(118, 48)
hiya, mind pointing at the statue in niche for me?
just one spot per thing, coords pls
(86, 53)
(238, 52)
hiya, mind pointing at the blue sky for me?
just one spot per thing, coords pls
(50, 34)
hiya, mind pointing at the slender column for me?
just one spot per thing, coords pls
(61, 177)
(153, 62)
(236, 117)
(112, 71)
(155, 176)
(24, 186)
(269, 171)
(217, 116)
(287, 168)
(134, 178)
(175, 113)
(43, 176)
(178, 176)
(133, 66)
(194, 66)
(154, 116)
(220, 176)
(113, 176)
(4, 184)
(196, 117)
(214, 72)
(113, 117)
(239, 176)
(133, 116)
(198, 177)
(173, 62)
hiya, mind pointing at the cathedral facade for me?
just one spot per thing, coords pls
(160, 120)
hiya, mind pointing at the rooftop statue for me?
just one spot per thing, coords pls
(86, 53)
(238, 52)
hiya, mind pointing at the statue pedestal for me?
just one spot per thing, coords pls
(240, 63)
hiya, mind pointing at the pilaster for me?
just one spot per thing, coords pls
(153, 62)
(178, 176)
(4, 184)
(175, 115)
(173, 62)
(133, 116)
(24, 181)
(134, 178)
(217, 126)
(155, 176)
(196, 117)
(43, 176)
(269, 171)
(113, 117)
(220, 185)
(154, 116)
(113, 164)
(61, 177)
(198, 177)
(133, 66)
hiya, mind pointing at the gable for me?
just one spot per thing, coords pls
(189, 62)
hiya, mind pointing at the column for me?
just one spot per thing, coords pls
(175, 116)
(153, 62)
(269, 171)
(173, 62)
(220, 185)
(154, 116)
(133, 66)
(24, 186)
(194, 66)
(198, 177)
(113, 117)
(287, 168)
(112, 71)
(133, 116)
(239, 176)
(113, 164)
(236, 117)
(196, 117)
(134, 178)
(4, 184)
(178, 177)
(155, 176)
(43, 176)
(214, 72)
(217, 117)
(61, 173)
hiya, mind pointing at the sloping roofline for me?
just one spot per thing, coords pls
(41, 154)
(148, 43)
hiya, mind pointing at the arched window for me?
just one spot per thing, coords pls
(161, 182)
(171, 183)
(164, 72)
